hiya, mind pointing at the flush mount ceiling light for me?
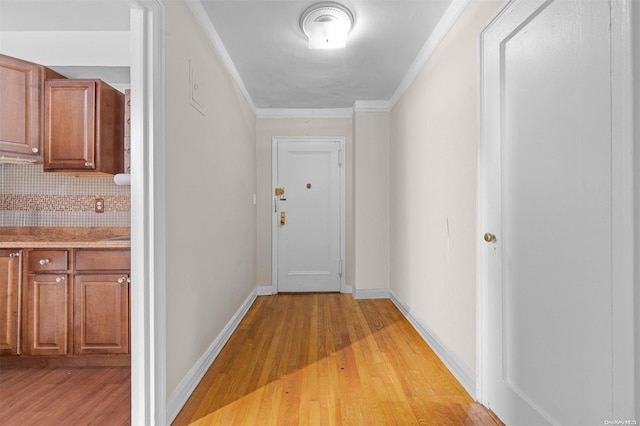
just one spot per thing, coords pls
(327, 25)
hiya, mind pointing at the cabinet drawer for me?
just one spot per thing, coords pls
(48, 260)
(103, 260)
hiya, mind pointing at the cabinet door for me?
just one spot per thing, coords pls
(48, 310)
(10, 286)
(20, 105)
(69, 133)
(101, 320)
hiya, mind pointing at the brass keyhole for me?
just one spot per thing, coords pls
(308, 186)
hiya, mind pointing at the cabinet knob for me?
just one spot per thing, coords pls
(44, 261)
(122, 280)
(35, 150)
(88, 164)
(60, 279)
(14, 254)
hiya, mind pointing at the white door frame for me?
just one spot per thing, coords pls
(148, 308)
(625, 309)
(274, 223)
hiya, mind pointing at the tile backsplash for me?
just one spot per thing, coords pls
(30, 197)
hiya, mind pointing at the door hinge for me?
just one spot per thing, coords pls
(340, 268)
(340, 157)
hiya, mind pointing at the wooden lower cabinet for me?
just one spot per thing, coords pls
(48, 314)
(10, 288)
(65, 305)
(101, 314)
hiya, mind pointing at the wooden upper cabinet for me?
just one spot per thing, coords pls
(84, 127)
(21, 89)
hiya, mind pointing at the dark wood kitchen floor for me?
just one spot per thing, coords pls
(65, 396)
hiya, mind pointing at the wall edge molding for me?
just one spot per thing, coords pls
(374, 293)
(264, 290)
(191, 380)
(461, 372)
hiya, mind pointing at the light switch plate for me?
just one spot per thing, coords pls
(196, 87)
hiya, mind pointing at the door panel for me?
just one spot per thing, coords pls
(308, 216)
(10, 288)
(549, 189)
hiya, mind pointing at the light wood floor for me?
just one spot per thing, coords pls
(328, 359)
(65, 396)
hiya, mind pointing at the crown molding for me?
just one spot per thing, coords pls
(372, 106)
(207, 26)
(445, 24)
(439, 32)
(304, 113)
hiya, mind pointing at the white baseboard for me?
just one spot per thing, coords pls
(188, 384)
(461, 372)
(375, 293)
(265, 290)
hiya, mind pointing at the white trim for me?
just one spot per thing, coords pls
(439, 32)
(265, 290)
(461, 372)
(623, 253)
(304, 113)
(372, 106)
(373, 293)
(482, 302)
(148, 326)
(207, 26)
(344, 288)
(190, 381)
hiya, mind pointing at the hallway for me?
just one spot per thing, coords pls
(328, 359)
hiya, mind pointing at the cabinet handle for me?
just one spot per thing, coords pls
(122, 280)
(14, 254)
(60, 279)
(35, 150)
(88, 164)
(44, 261)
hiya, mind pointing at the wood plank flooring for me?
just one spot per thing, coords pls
(320, 359)
(65, 396)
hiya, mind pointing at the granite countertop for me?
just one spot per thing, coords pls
(63, 237)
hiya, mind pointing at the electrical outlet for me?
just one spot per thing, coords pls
(99, 205)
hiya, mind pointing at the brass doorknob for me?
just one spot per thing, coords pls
(489, 237)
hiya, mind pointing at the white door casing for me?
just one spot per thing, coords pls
(308, 218)
(555, 187)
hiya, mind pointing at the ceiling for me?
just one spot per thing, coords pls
(267, 47)
(270, 52)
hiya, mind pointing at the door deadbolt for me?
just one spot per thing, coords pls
(283, 218)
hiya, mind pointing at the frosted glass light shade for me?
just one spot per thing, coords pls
(327, 25)
(327, 35)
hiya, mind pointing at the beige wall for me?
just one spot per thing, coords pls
(371, 200)
(211, 178)
(433, 187)
(266, 128)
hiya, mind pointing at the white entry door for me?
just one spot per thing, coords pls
(308, 215)
(549, 260)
